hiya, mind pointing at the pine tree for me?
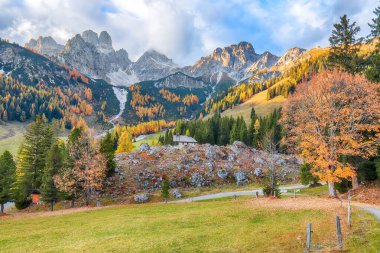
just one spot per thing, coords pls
(32, 157)
(375, 26)
(344, 46)
(253, 113)
(108, 150)
(165, 188)
(234, 136)
(373, 63)
(125, 142)
(243, 131)
(251, 131)
(54, 163)
(7, 178)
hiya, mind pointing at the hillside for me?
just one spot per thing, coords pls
(263, 107)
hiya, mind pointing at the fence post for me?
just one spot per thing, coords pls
(257, 194)
(339, 232)
(308, 236)
(349, 210)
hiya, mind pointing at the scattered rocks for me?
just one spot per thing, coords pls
(199, 166)
(197, 180)
(238, 146)
(144, 147)
(141, 198)
(211, 153)
(177, 194)
(223, 174)
(241, 178)
(258, 172)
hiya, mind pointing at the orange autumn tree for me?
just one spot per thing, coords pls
(86, 171)
(333, 115)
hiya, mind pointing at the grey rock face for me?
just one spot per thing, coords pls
(177, 194)
(144, 147)
(238, 146)
(141, 198)
(211, 154)
(258, 172)
(241, 178)
(45, 45)
(152, 66)
(197, 180)
(222, 173)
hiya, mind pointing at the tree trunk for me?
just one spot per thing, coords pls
(332, 191)
(52, 205)
(2, 208)
(355, 182)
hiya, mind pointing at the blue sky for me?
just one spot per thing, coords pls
(184, 30)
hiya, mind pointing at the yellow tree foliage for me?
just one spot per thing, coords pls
(333, 115)
(125, 142)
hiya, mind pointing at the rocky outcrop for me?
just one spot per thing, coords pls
(200, 166)
(45, 45)
(289, 57)
(153, 65)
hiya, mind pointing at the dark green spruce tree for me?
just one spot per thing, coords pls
(7, 178)
(372, 71)
(32, 159)
(54, 163)
(108, 150)
(344, 41)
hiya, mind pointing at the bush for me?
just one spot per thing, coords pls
(165, 189)
(269, 191)
(306, 176)
(22, 202)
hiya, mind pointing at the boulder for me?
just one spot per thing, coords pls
(141, 198)
(144, 147)
(197, 180)
(211, 153)
(238, 146)
(259, 160)
(222, 173)
(241, 178)
(177, 194)
(258, 172)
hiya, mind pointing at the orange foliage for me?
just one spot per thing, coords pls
(333, 115)
(171, 97)
(190, 99)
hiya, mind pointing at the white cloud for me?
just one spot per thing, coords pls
(183, 30)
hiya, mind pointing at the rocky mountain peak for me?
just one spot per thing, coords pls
(91, 37)
(103, 42)
(45, 45)
(105, 39)
(290, 56)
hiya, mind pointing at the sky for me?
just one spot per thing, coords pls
(184, 30)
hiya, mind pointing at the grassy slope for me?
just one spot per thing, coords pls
(262, 106)
(11, 136)
(223, 226)
(148, 139)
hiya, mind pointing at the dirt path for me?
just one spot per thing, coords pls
(7, 135)
(236, 193)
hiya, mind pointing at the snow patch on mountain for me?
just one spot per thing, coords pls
(122, 78)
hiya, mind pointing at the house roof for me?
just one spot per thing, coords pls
(183, 138)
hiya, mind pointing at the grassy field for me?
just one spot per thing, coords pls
(220, 226)
(262, 106)
(148, 139)
(11, 136)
